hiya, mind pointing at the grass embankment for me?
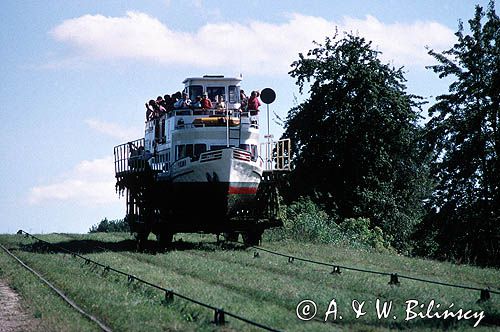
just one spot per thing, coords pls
(266, 289)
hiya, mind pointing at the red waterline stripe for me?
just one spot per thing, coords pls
(242, 190)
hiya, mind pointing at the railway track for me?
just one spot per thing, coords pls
(59, 292)
(243, 290)
(485, 293)
(252, 266)
(200, 275)
(219, 313)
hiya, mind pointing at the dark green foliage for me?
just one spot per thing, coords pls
(356, 232)
(464, 135)
(356, 139)
(108, 226)
(305, 221)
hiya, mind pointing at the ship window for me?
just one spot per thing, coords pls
(166, 161)
(181, 151)
(214, 91)
(254, 152)
(219, 147)
(233, 94)
(189, 150)
(195, 91)
(245, 147)
(199, 149)
(252, 148)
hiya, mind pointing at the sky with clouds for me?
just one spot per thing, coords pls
(75, 76)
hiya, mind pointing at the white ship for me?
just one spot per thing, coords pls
(202, 169)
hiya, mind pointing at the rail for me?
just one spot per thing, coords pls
(201, 111)
(58, 292)
(394, 277)
(219, 313)
(133, 157)
(236, 118)
(276, 155)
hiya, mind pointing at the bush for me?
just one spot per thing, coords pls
(304, 220)
(108, 226)
(357, 233)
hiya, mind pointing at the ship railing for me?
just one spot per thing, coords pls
(246, 118)
(132, 157)
(276, 155)
(202, 111)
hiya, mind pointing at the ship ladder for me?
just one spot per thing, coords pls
(235, 133)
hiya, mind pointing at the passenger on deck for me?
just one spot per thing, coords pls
(196, 103)
(151, 110)
(243, 100)
(184, 102)
(169, 103)
(254, 103)
(160, 102)
(138, 153)
(175, 98)
(205, 102)
(221, 105)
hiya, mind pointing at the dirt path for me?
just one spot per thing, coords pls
(12, 317)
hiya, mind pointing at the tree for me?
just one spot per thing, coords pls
(356, 139)
(464, 135)
(108, 226)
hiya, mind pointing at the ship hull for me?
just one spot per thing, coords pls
(214, 193)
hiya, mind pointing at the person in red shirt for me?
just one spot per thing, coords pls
(254, 103)
(205, 102)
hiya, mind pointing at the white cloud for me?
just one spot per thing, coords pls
(114, 130)
(403, 43)
(90, 182)
(252, 47)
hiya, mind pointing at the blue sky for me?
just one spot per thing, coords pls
(75, 76)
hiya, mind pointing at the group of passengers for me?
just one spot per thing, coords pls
(165, 105)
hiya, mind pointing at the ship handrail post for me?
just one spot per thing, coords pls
(227, 124)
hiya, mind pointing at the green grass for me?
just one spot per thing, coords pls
(49, 312)
(266, 289)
